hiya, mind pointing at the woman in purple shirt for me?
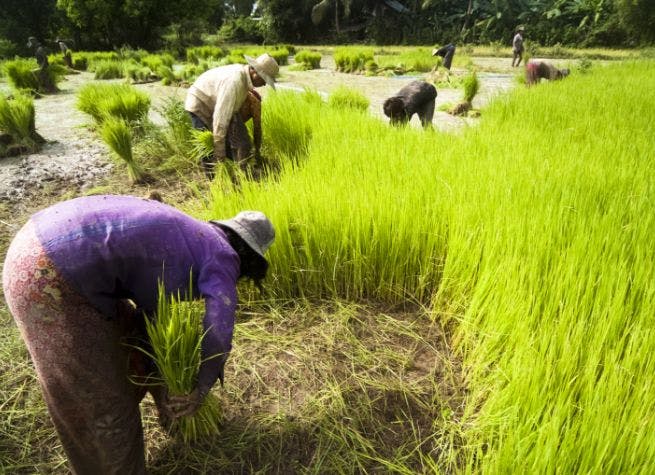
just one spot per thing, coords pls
(69, 276)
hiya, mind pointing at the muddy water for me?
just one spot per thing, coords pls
(377, 89)
(75, 157)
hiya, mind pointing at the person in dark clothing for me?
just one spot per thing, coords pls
(446, 52)
(417, 97)
(66, 53)
(45, 81)
(78, 278)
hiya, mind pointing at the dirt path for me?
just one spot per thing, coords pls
(76, 157)
(72, 156)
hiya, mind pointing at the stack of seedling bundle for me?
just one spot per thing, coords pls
(17, 131)
(117, 109)
(175, 336)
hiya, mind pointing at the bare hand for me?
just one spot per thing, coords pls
(186, 405)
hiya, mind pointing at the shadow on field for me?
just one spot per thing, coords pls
(330, 390)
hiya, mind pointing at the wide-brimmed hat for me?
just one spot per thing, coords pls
(32, 41)
(253, 227)
(265, 66)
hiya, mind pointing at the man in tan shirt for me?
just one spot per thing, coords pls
(217, 96)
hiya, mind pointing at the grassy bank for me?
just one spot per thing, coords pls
(530, 234)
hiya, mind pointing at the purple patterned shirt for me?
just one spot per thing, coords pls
(119, 247)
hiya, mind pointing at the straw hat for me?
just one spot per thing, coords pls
(253, 227)
(265, 66)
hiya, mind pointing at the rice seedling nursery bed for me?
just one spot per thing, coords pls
(472, 302)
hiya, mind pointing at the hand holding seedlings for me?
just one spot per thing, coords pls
(186, 405)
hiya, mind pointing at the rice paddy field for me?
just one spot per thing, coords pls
(479, 302)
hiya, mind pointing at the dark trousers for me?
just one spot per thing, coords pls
(238, 145)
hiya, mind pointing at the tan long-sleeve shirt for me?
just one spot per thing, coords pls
(216, 96)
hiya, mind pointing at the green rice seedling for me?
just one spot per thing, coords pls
(471, 86)
(17, 119)
(109, 69)
(288, 127)
(136, 72)
(202, 144)
(154, 61)
(418, 61)
(175, 335)
(167, 75)
(281, 55)
(20, 74)
(352, 59)
(208, 52)
(117, 100)
(524, 244)
(308, 59)
(345, 97)
(80, 62)
(117, 134)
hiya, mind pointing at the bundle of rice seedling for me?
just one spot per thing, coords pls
(116, 133)
(308, 59)
(175, 337)
(118, 100)
(343, 97)
(20, 73)
(471, 86)
(202, 144)
(17, 118)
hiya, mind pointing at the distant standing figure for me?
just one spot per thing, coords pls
(65, 52)
(45, 82)
(417, 97)
(535, 70)
(446, 52)
(517, 47)
(39, 52)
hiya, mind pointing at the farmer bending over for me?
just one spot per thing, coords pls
(447, 53)
(536, 70)
(417, 97)
(215, 98)
(67, 278)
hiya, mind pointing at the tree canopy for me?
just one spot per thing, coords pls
(105, 24)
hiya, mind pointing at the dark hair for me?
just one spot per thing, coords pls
(253, 266)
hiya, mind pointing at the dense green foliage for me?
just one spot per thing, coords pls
(156, 23)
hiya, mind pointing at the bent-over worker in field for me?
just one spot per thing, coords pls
(537, 70)
(417, 97)
(215, 98)
(67, 278)
(447, 53)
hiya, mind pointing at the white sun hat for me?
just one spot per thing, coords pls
(266, 67)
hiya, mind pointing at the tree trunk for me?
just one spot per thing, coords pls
(466, 18)
(336, 16)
